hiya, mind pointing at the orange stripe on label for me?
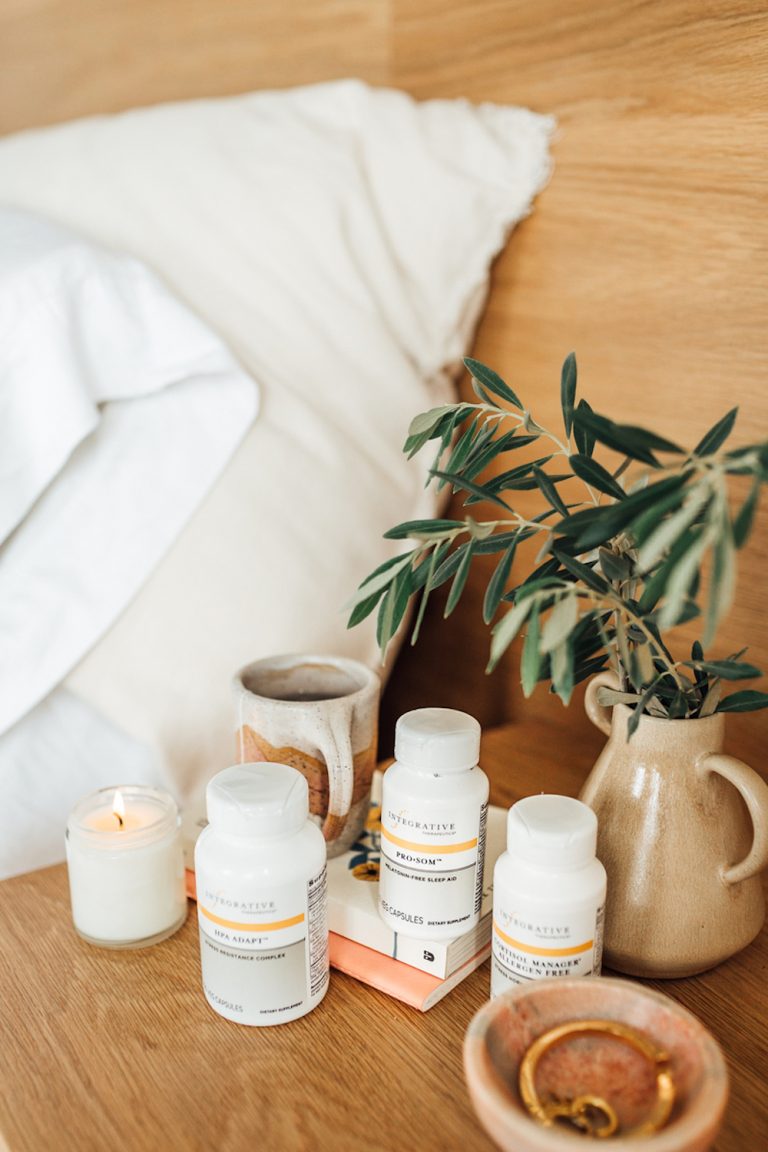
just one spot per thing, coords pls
(534, 951)
(273, 927)
(432, 849)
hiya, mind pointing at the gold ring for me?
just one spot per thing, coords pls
(592, 1115)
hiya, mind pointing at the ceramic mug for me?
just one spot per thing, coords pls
(318, 714)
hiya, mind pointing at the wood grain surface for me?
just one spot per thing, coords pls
(117, 1051)
(60, 59)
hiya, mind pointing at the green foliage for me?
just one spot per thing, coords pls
(616, 569)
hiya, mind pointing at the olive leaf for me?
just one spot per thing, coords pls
(747, 701)
(419, 528)
(711, 699)
(506, 630)
(560, 623)
(547, 486)
(607, 697)
(726, 669)
(392, 607)
(364, 608)
(462, 448)
(498, 583)
(492, 381)
(434, 561)
(459, 580)
(637, 712)
(478, 490)
(530, 662)
(562, 670)
(568, 391)
(681, 578)
(622, 440)
(585, 441)
(669, 530)
(596, 475)
(615, 567)
(379, 578)
(723, 583)
(422, 427)
(742, 524)
(717, 435)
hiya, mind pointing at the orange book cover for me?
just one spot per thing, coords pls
(402, 981)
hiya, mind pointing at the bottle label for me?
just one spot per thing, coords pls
(527, 947)
(264, 952)
(431, 872)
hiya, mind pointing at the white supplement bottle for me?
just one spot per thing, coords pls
(260, 868)
(434, 808)
(548, 894)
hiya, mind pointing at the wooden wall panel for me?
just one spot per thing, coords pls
(648, 252)
(65, 58)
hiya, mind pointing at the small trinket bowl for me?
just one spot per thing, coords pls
(637, 1053)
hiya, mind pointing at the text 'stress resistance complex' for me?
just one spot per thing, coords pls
(548, 894)
(433, 818)
(261, 887)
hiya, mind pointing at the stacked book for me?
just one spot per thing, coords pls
(419, 972)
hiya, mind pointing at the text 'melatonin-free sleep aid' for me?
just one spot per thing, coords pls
(433, 818)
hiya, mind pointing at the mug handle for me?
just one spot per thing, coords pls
(598, 713)
(754, 793)
(339, 762)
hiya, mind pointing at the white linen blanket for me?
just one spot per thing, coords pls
(119, 408)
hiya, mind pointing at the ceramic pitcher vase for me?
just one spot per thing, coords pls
(683, 836)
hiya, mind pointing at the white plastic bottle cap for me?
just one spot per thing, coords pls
(258, 800)
(554, 830)
(437, 740)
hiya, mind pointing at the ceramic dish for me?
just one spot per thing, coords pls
(502, 1031)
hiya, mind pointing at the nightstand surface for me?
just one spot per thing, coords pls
(119, 1050)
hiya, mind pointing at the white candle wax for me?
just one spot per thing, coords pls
(126, 867)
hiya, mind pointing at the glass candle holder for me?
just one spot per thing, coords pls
(126, 867)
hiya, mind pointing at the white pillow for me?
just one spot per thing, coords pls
(120, 409)
(339, 238)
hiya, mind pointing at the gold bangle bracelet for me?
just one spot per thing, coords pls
(592, 1115)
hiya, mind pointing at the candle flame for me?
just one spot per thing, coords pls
(118, 807)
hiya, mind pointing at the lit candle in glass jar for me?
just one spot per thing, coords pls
(126, 867)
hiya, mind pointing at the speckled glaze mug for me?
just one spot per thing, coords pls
(318, 714)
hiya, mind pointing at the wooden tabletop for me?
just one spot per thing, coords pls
(119, 1050)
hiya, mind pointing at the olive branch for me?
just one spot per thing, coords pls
(615, 570)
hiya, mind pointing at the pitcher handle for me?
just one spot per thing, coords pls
(339, 761)
(598, 713)
(754, 793)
